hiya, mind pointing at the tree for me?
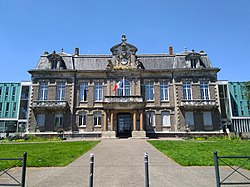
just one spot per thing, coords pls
(247, 91)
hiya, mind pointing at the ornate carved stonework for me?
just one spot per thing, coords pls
(56, 61)
(124, 57)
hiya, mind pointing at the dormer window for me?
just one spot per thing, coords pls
(56, 61)
(54, 65)
(194, 60)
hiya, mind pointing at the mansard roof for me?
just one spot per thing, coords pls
(99, 62)
(78, 62)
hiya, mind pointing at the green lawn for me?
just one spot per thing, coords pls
(200, 153)
(45, 154)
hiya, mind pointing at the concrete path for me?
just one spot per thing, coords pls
(120, 163)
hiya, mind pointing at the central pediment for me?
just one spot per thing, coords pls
(124, 57)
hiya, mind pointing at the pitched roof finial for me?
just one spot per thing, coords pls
(124, 38)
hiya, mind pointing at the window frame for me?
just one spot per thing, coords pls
(168, 118)
(191, 115)
(149, 91)
(98, 91)
(82, 119)
(150, 119)
(164, 91)
(59, 115)
(204, 90)
(125, 90)
(43, 91)
(208, 120)
(97, 119)
(83, 91)
(187, 90)
(60, 91)
(41, 117)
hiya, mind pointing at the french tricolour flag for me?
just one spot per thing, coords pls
(118, 85)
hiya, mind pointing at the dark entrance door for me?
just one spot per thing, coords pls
(124, 125)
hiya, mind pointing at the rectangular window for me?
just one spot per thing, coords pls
(0, 92)
(14, 110)
(98, 91)
(60, 91)
(97, 118)
(165, 116)
(82, 119)
(84, 91)
(43, 91)
(150, 118)
(164, 91)
(6, 93)
(204, 90)
(13, 93)
(187, 91)
(189, 118)
(149, 91)
(207, 119)
(40, 120)
(25, 93)
(7, 109)
(58, 120)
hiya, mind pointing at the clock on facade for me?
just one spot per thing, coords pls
(124, 61)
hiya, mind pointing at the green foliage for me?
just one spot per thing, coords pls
(45, 154)
(29, 138)
(200, 153)
(247, 89)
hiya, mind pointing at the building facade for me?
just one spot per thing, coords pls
(235, 108)
(14, 107)
(124, 93)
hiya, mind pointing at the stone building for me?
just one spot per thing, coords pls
(125, 93)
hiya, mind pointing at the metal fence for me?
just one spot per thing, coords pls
(224, 181)
(5, 172)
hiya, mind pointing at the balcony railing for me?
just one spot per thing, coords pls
(123, 99)
(49, 104)
(198, 103)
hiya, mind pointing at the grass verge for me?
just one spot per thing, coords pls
(200, 153)
(45, 154)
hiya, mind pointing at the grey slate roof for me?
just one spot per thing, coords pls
(99, 62)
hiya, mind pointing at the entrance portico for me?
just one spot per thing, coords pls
(123, 117)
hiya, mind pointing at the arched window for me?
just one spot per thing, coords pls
(124, 88)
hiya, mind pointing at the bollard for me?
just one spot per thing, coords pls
(24, 169)
(91, 171)
(217, 172)
(146, 170)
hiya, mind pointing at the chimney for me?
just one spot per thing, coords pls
(76, 51)
(170, 49)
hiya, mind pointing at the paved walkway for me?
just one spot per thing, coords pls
(120, 163)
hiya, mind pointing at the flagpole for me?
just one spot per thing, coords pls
(123, 86)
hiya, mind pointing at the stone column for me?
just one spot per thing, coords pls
(139, 133)
(134, 121)
(141, 121)
(112, 121)
(105, 121)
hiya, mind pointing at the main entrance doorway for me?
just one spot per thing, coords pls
(124, 125)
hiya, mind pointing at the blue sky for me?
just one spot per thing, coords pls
(28, 28)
